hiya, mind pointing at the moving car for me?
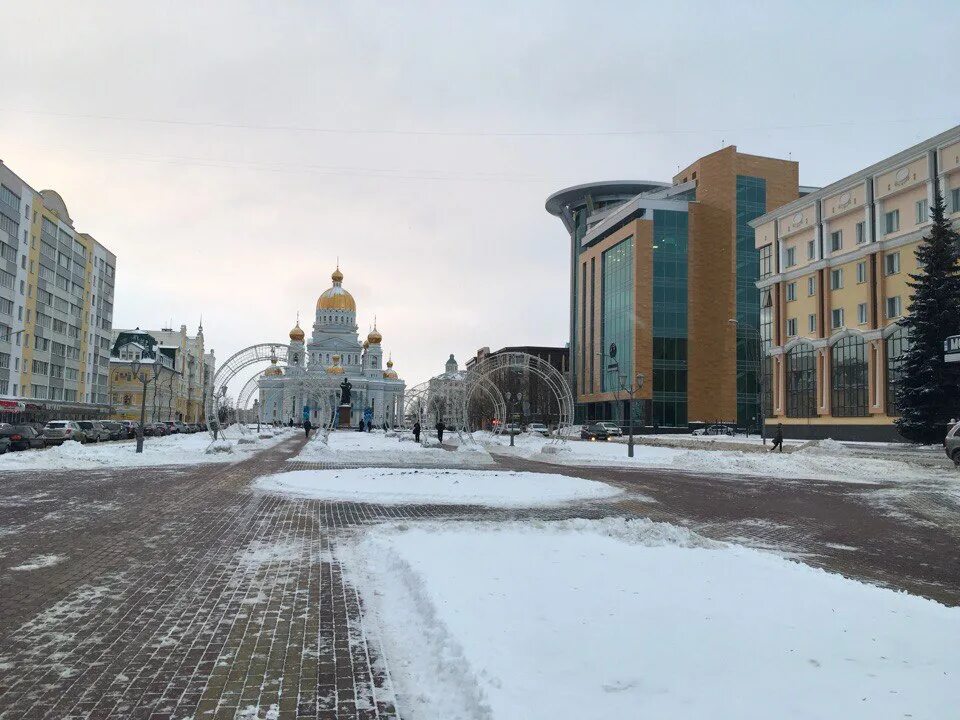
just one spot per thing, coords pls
(23, 437)
(951, 444)
(613, 430)
(593, 432)
(94, 430)
(538, 429)
(56, 432)
(714, 430)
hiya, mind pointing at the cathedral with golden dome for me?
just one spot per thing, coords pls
(334, 349)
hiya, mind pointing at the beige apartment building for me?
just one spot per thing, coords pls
(834, 268)
(56, 308)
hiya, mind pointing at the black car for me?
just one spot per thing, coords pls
(117, 430)
(594, 432)
(23, 437)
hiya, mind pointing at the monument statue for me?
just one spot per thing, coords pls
(345, 387)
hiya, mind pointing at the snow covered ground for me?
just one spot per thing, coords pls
(508, 621)
(830, 460)
(169, 450)
(398, 486)
(377, 448)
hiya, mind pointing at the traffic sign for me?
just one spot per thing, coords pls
(951, 349)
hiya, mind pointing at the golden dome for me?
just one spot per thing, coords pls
(273, 370)
(390, 363)
(366, 344)
(335, 369)
(336, 298)
(297, 334)
(374, 337)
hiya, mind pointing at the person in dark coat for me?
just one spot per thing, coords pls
(307, 426)
(440, 428)
(778, 439)
(291, 422)
(416, 431)
(361, 425)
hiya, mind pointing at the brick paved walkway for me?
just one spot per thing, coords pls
(180, 593)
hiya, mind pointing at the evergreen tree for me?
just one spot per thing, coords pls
(928, 395)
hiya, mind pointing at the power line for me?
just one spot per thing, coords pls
(465, 133)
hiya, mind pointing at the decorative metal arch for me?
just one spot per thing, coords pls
(481, 373)
(259, 353)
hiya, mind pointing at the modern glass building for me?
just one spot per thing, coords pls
(662, 289)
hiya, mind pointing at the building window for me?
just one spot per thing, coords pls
(811, 286)
(616, 289)
(670, 230)
(811, 323)
(891, 221)
(836, 317)
(893, 307)
(862, 314)
(848, 374)
(801, 380)
(836, 241)
(791, 327)
(791, 258)
(861, 233)
(861, 272)
(955, 199)
(923, 212)
(836, 279)
(896, 345)
(891, 263)
(811, 250)
(791, 291)
(766, 261)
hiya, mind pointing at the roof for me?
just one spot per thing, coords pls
(577, 194)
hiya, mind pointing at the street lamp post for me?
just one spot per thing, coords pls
(755, 331)
(631, 388)
(512, 398)
(135, 366)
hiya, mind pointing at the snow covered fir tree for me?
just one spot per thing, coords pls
(929, 395)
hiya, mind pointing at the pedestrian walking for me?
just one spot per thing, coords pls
(291, 422)
(416, 431)
(307, 427)
(778, 439)
(440, 428)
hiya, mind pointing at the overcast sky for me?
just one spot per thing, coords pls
(228, 153)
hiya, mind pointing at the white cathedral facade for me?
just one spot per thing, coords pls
(334, 350)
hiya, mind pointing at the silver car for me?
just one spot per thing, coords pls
(951, 444)
(94, 430)
(56, 432)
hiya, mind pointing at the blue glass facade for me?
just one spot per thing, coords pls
(751, 204)
(617, 313)
(670, 234)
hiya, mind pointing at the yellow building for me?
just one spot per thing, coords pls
(179, 393)
(137, 357)
(834, 268)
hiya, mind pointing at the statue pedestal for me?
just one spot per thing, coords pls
(343, 416)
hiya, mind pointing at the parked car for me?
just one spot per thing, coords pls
(116, 430)
(94, 430)
(4, 445)
(951, 444)
(181, 426)
(613, 430)
(23, 437)
(511, 429)
(130, 428)
(171, 427)
(714, 430)
(538, 429)
(154, 429)
(593, 432)
(56, 432)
